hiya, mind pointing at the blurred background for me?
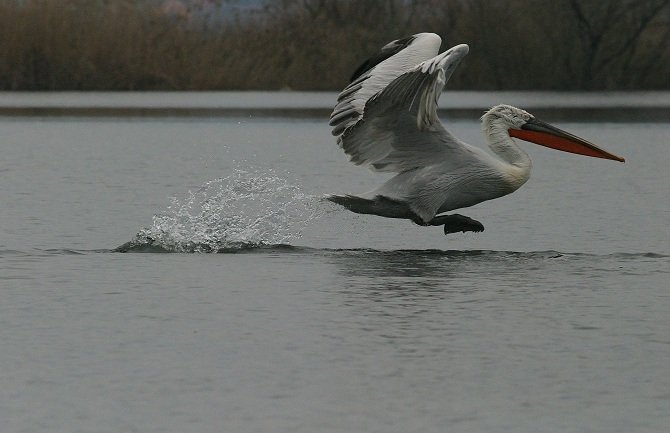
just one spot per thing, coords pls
(316, 44)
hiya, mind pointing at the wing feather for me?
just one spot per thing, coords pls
(396, 128)
(372, 77)
(388, 50)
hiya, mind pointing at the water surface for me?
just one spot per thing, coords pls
(312, 318)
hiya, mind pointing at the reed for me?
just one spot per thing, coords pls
(315, 44)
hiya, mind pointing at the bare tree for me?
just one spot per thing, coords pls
(608, 32)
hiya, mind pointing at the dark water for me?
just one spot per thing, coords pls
(312, 319)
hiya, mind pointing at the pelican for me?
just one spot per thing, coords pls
(386, 119)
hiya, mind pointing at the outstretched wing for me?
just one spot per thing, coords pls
(392, 124)
(376, 73)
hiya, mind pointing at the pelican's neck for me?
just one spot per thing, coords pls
(516, 160)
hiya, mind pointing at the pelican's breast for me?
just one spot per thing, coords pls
(480, 181)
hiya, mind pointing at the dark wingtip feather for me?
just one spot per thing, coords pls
(389, 50)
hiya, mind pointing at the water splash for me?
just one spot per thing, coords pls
(244, 210)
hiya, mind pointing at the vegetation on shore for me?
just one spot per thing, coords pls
(316, 44)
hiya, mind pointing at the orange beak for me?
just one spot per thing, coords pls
(544, 134)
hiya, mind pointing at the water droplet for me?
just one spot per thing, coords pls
(245, 209)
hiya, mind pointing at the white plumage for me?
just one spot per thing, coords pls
(386, 119)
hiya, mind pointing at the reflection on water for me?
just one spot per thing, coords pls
(401, 285)
(432, 263)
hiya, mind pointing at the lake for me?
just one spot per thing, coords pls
(167, 264)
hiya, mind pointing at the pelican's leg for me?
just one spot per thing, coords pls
(457, 223)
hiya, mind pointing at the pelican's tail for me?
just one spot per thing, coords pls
(379, 205)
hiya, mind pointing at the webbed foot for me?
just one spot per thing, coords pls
(457, 223)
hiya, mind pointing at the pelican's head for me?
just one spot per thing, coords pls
(511, 117)
(523, 125)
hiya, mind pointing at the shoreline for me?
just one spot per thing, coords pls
(644, 106)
